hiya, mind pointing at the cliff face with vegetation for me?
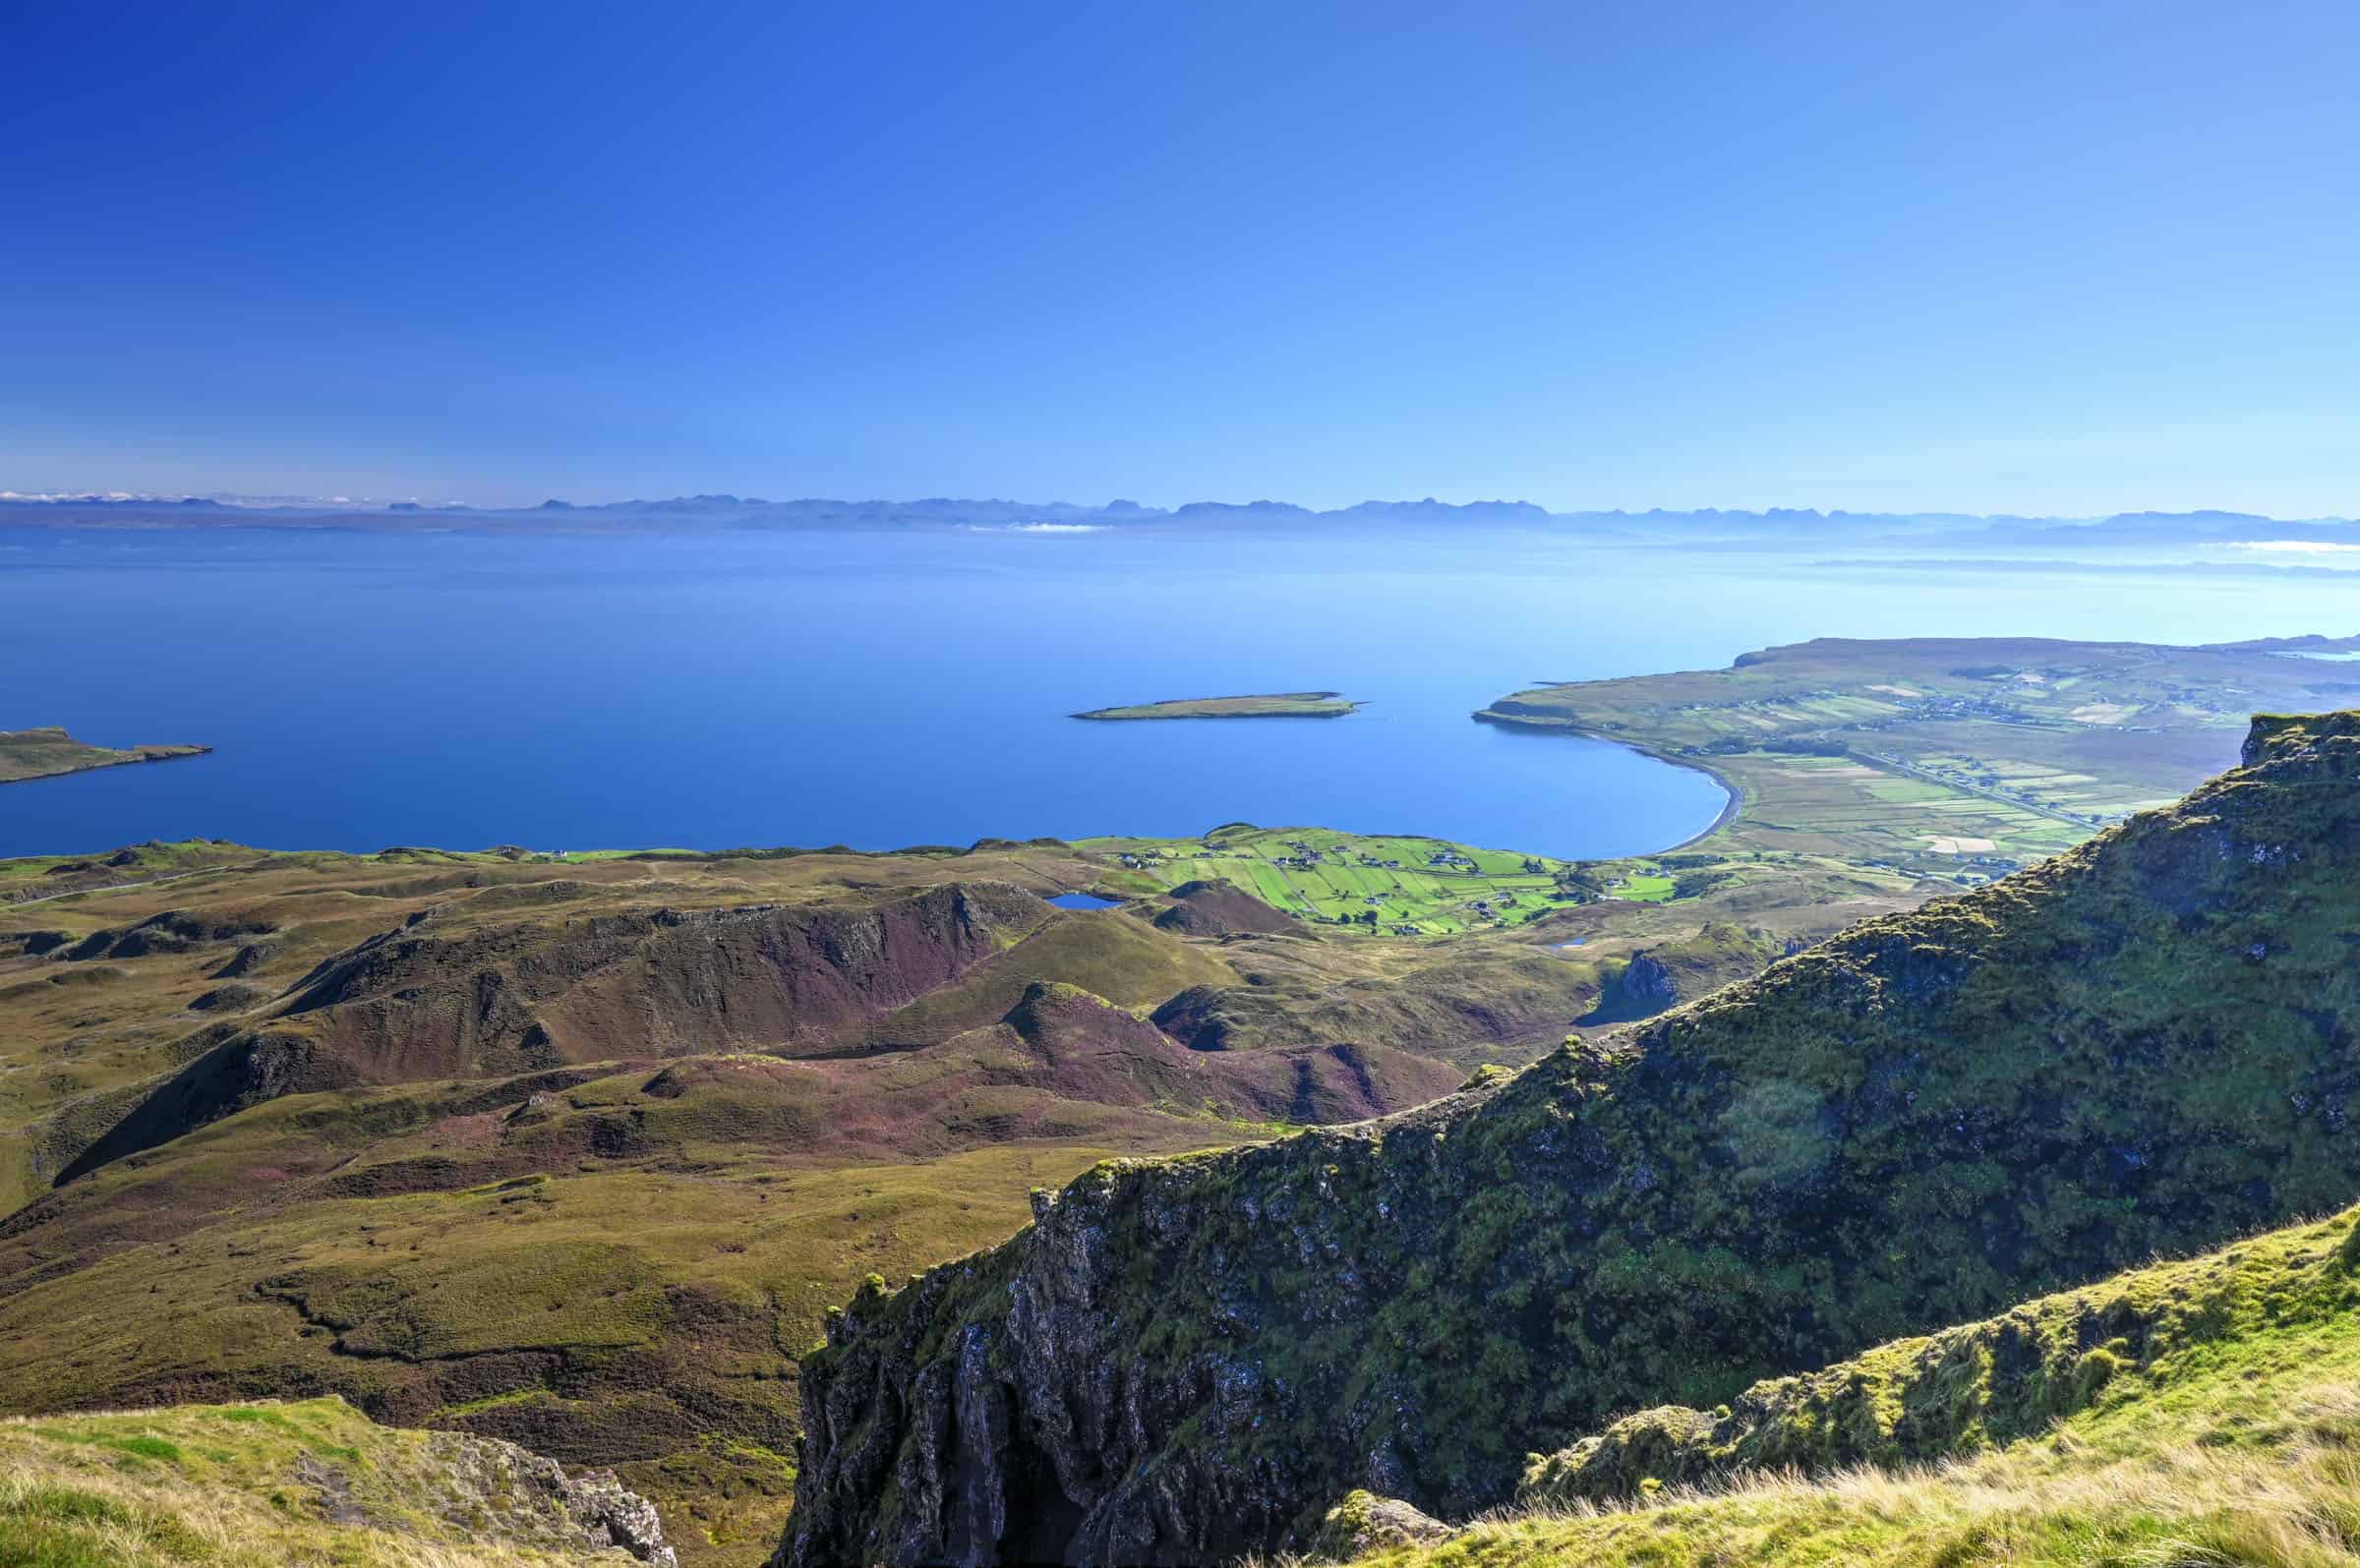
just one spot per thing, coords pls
(2141, 1046)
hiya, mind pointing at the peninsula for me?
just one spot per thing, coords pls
(46, 752)
(1268, 705)
(1958, 757)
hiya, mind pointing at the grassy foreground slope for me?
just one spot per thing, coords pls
(2203, 1412)
(270, 1485)
(44, 753)
(2139, 1046)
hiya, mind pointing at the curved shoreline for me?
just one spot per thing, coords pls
(1730, 807)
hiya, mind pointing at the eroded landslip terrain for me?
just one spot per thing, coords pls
(578, 1152)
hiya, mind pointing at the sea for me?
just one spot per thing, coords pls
(719, 690)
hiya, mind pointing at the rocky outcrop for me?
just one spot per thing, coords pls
(1364, 1523)
(1642, 988)
(2143, 1046)
(173, 931)
(495, 1491)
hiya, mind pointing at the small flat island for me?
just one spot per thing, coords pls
(1268, 705)
(42, 753)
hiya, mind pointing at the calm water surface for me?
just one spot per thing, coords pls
(888, 691)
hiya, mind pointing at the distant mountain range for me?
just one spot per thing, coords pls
(722, 511)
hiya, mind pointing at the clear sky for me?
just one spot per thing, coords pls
(2065, 258)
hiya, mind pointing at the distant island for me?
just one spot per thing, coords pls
(46, 752)
(1269, 705)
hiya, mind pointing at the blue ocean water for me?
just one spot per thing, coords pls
(881, 690)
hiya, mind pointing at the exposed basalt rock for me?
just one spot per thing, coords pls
(2131, 1049)
(1642, 988)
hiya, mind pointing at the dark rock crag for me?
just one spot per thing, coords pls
(2145, 1045)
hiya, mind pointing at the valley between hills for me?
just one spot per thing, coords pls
(586, 1154)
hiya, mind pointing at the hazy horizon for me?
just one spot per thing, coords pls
(330, 502)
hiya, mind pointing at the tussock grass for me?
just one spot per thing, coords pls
(217, 1487)
(2241, 1451)
(2182, 1505)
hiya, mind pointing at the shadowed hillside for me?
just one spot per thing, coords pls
(2187, 1413)
(2142, 1045)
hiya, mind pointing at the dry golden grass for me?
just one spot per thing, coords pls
(216, 1486)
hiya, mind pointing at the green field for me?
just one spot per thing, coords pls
(1413, 886)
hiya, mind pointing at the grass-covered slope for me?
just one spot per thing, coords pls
(2144, 1045)
(270, 1485)
(2201, 1412)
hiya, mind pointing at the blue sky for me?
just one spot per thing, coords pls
(1989, 256)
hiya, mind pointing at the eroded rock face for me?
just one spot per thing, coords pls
(505, 998)
(2143, 1046)
(409, 1004)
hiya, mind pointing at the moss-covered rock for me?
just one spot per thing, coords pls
(2143, 1046)
(1364, 1522)
(1980, 1385)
